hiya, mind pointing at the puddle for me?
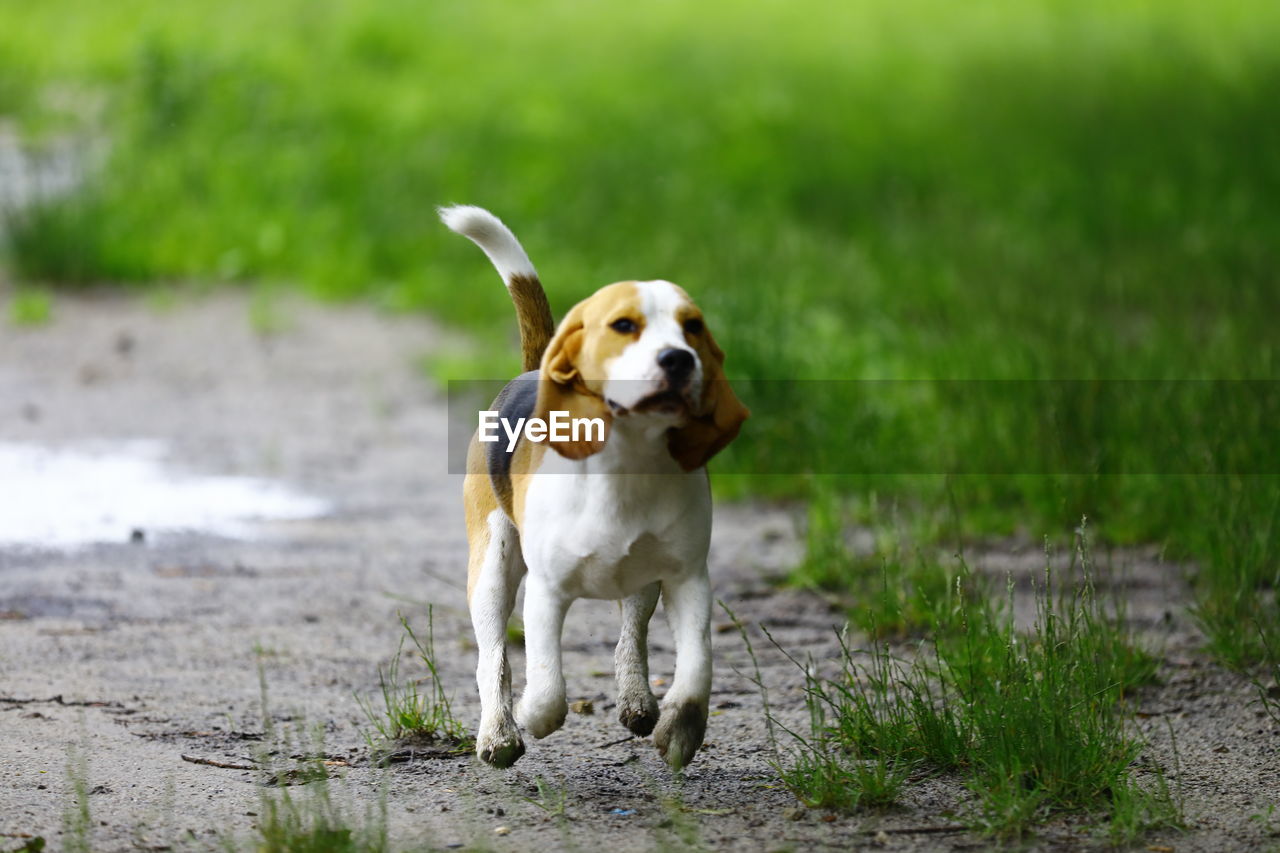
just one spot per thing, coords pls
(62, 498)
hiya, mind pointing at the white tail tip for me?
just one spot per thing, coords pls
(487, 231)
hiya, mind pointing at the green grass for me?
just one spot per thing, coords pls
(312, 822)
(552, 798)
(1268, 694)
(891, 592)
(408, 710)
(854, 191)
(1034, 723)
(35, 844)
(297, 809)
(1239, 602)
(832, 782)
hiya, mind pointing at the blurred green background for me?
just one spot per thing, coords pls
(853, 190)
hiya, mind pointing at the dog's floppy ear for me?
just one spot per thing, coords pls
(720, 416)
(563, 388)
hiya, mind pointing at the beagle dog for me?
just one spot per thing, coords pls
(623, 513)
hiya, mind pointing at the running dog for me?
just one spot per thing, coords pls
(622, 512)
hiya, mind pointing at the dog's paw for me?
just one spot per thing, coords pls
(541, 717)
(680, 731)
(638, 713)
(501, 746)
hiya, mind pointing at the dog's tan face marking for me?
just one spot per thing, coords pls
(613, 319)
(641, 348)
(635, 351)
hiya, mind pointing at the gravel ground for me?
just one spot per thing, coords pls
(134, 654)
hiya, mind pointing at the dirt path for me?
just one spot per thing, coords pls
(153, 647)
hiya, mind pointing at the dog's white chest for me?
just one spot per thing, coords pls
(606, 536)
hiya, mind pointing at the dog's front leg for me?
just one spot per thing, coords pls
(637, 709)
(543, 707)
(683, 722)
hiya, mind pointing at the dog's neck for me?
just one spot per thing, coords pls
(637, 444)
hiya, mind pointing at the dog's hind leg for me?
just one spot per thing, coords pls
(495, 573)
(637, 709)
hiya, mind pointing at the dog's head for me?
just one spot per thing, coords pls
(641, 349)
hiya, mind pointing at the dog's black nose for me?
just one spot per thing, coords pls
(676, 363)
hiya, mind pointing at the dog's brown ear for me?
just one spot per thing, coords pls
(719, 418)
(562, 388)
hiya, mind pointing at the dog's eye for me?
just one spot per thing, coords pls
(693, 326)
(623, 326)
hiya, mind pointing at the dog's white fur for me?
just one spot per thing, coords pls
(487, 231)
(592, 527)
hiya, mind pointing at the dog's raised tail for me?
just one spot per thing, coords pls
(533, 313)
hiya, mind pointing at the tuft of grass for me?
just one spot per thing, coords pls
(1238, 604)
(889, 593)
(822, 780)
(408, 711)
(30, 307)
(297, 811)
(678, 830)
(1034, 723)
(311, 822)
(552, 799)
(1269, 694)
(1136, 810)
(1266, 820)
(821, 772)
